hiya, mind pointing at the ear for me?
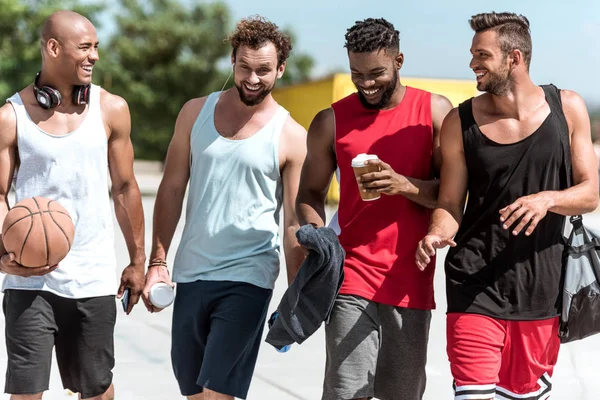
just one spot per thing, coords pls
(53, 47)
(515, 58)
(281, 70)
(399, 60)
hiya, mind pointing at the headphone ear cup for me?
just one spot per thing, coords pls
(43, 99)
(81, 94)
(55, 96)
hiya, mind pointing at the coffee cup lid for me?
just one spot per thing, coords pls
(359, 160)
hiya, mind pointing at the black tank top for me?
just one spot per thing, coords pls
(490, 271)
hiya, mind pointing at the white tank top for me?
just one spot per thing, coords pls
(73, 170)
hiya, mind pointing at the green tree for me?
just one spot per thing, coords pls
(161, 55)
(20, 25)
(299, 66)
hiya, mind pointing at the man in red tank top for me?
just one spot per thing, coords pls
(377, 335)
(504, 269)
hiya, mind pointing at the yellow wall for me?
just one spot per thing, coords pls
(304, 101)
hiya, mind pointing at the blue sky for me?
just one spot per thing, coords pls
(435, 36)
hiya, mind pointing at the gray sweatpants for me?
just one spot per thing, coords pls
(375, 350)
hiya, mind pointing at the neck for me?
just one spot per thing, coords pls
(397, 96)
(66, 90)
(520, 97)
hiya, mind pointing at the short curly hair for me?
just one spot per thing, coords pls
(372, 34)
(257, 31)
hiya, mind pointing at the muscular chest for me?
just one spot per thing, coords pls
(511, 130)
(239, 127)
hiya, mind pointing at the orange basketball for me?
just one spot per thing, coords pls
(38, 231)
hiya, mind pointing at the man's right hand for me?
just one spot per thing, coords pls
(155, 274)
(427, 247)
(8, 265)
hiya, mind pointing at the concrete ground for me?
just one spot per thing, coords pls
(143, 370)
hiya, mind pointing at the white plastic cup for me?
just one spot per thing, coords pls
(359, 167)
(161, 295)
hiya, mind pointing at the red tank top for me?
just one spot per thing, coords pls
(380, 237)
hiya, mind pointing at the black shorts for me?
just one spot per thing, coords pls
(81, 329)
(217, 330)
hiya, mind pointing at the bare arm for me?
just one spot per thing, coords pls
(423, 192)
(293, 150)
(583, 196)
(448, 213)
(8, 161)
(8, 156)
(169, 199)
(317, 170)
(580, 198)
(125, 192)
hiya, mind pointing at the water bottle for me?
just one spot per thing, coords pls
(161, 295)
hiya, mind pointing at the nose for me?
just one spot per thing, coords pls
(94, 55)
(472, 64)
(253, 78)
(368, 82)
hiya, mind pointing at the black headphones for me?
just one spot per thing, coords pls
(48, 97)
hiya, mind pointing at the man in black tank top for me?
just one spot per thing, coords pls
(504, 267)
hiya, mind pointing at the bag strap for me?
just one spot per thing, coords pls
(555, 102)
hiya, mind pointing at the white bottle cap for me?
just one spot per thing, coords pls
(359, 160)
(162, 295)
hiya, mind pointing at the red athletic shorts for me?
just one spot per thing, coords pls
(498, 359)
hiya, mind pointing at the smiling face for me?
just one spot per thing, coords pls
(74, 49)
(490, 64)
(375, 75)
(255, 72)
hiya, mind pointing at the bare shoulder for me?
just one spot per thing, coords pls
(453, 117)
(8, 124)
(572, 101)
(324, 118)
(440, 106)
(574, 108)
(112, 104)
(292, 143)
(440, 103)
(191, 109)
(293, 132)
(451, 128)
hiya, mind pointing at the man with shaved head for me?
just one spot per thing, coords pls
(58, 138)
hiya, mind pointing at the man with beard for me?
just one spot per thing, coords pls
(377, 335)
(242, 154)
(503, 271)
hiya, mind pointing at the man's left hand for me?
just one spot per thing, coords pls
(386, 181)
(132, 278)
(528, 210)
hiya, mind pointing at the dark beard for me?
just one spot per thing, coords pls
(385, 97)
(497, 84)
(254, 101)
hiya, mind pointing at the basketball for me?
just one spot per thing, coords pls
(38, 231)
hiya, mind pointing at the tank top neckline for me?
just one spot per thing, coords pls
(68, 134)
(397, 107)
(520, 141)
(265, 127)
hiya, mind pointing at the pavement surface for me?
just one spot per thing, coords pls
(142, 342)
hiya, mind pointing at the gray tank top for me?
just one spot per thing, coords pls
(73, 170)
(232, 220)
